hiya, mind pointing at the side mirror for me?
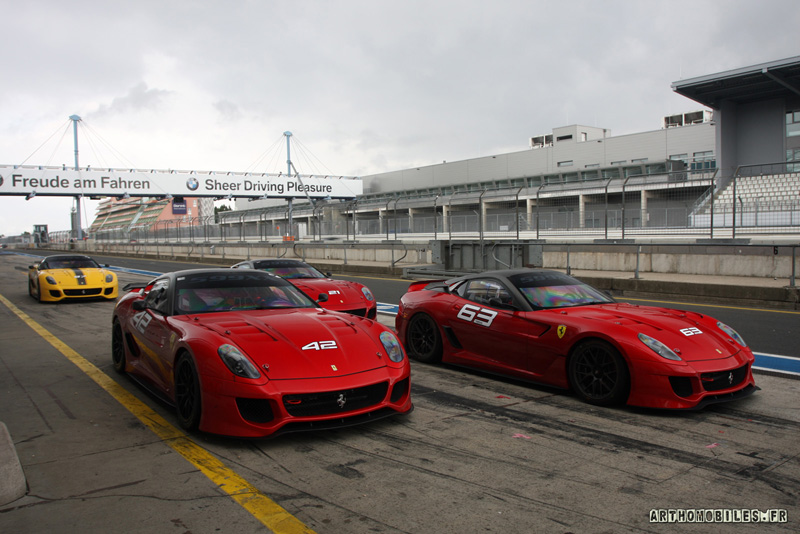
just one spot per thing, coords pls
(322, 297)
(328, 275)
(139, 305)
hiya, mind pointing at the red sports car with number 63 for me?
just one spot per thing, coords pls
(547, 327)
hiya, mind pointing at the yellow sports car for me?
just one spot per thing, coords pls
(70, 276)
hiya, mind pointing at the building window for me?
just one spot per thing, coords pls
(792, 123)
(564, 137)
(680, 157)
(592, 166)
(621, 162)
(639, 160)
(703, 160)
(793, 155)
(567, 163)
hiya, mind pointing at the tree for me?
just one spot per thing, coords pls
(218, 209)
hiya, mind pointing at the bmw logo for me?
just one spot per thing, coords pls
(192, 183)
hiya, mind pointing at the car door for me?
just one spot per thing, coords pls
(154, 336)
(490, 331)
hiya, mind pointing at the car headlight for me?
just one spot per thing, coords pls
(237, 362)
(392, 346)
(732, 333)
(367, 293)
(109, 278)
(50, 280)
(659, 348)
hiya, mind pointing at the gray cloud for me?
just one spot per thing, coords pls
(369, 86)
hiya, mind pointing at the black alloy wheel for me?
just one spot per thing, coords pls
(423, 340)
(117, 348)
(187, 393)
(598, 373)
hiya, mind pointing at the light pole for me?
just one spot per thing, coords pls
(75, 119)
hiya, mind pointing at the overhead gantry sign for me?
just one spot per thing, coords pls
(31, 181)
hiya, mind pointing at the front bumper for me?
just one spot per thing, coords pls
(233, 408)
(692, 385)
(58, 292)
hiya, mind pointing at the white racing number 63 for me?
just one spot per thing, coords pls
(477, 315)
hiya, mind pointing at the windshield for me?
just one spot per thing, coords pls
(70, 263)
(205, 293)
(289, 270)
(556, 290)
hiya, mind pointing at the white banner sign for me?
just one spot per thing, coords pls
(120, 182)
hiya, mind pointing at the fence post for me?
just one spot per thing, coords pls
(638, 254)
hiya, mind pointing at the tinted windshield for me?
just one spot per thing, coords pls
(556, 290)
(206, 293)
(70, 263)
(288, 269)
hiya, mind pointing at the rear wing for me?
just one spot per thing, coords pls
(135, 286)
(429, 285)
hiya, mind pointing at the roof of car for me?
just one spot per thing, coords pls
(505, 273)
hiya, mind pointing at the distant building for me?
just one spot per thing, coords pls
(145, 213)
(754, 118)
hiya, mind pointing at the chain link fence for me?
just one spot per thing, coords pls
(763, 199)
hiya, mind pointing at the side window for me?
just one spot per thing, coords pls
(242, 266)
(157, 298)
(486, 292)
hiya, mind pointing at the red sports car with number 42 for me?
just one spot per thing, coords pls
(245, 353)
(547, 327)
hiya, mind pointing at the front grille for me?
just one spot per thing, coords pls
(82, 292)
(723, 379)
(333, 402)
(373, 313)
(255, 410)
(360, 312)
(108, 290)
(399, 390)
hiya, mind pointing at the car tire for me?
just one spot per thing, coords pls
(423, 340)
(118, 348)
(187, 393)
(598, 373)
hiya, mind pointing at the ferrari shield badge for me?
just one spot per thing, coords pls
(561, 330)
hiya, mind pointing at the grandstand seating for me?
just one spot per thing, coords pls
(761, 190)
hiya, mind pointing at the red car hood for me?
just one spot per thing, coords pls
(340, 292)
(692, 336)
(299, 343)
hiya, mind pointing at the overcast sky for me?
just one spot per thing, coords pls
(365, 86)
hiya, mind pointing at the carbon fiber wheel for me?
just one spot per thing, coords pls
(117, 348)
(423, 340)
(187, 393)
(598, 373)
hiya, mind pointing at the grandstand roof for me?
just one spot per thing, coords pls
(776, 79)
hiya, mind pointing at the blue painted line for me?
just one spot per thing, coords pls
(134, 271)
(773, 362)
(392, 309)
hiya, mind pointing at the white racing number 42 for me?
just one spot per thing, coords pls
(477, 315)
(320, 345)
